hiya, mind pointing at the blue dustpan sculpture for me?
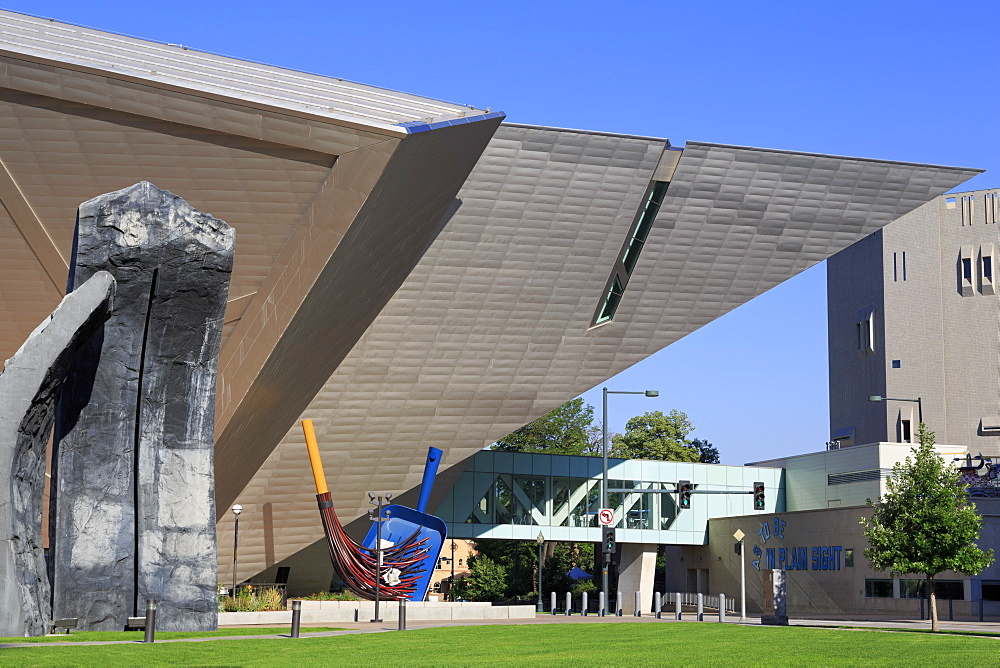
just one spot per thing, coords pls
(403, 522)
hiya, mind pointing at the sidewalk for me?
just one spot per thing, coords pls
(354, 628)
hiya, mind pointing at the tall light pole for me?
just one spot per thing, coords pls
(540, 539)
(917, 401)
(604, 486)
(237, 509)
(451, 587)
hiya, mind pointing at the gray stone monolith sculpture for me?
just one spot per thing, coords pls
(29, 385)
(133, 499)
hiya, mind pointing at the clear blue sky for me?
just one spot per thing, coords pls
(913, 81)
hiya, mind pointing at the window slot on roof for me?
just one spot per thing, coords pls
(629, 256)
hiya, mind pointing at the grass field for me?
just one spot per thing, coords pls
(673, 644)
(137, 636)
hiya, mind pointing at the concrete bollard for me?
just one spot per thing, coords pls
(619, 604)
(658, 604)
(296, 618)
(569, 603)
(553, 599)
(150, 635)
(722, 608)
(701, 607)
(638, 605)
(584, 604)
(401, 623)
(603, 607)
(677, 605)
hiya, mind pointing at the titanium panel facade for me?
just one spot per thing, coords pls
(493, 327)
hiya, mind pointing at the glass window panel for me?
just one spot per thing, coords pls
(878, 588)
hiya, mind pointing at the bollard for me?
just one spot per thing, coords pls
(603, 604)
(401, 625)
(619, 604)
(677, 605)
(553, 598)
(356, 611)
(584, 605)
(659, 605)
(701, 607)
(722, 608)
(150, 621)
(296, 617)
(638, 605)
(569, 604)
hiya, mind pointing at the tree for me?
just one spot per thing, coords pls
(923, 523)
(567, 430)
(487, 580)
(655, 435)
(707, 453)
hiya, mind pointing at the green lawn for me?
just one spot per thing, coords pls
(89, 636)
(672, 644)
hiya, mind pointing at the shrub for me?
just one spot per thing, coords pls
(330, 596)
(253, 599)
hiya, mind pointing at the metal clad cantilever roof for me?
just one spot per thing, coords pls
(179, 66)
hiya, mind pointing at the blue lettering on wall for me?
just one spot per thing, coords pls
(824, 558)
(765, 532)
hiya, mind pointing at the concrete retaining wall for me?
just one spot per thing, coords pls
(344, 611)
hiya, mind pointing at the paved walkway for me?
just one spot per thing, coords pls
(354, 628)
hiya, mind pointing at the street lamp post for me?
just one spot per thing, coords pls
(604, 486)
(451, 588)
(917, 401)
(376, 514)
(237, 509)
(540, 539)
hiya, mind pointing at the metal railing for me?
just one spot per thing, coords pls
(689, 598)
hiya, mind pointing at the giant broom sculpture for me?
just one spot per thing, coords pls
(416, 538)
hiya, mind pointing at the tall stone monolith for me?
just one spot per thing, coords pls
(134, 496)
(29, 385)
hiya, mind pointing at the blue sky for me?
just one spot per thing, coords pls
(913, 81)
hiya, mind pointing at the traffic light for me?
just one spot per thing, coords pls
(684, 494)
(758, 496)
(608, 540)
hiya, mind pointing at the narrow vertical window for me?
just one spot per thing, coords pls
(986, 285)
(904, 265)
(967, 268)
(904, 431)
(966, 286)
(895, 274)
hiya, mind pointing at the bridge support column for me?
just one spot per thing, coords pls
(638, 566)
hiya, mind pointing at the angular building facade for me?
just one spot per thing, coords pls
(408, 272)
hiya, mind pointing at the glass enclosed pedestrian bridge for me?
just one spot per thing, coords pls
(512, 495)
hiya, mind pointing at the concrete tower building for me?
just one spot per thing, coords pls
(914, 314)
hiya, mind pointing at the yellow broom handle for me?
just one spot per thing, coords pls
(317, 465)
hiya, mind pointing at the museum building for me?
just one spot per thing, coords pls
(411, 272)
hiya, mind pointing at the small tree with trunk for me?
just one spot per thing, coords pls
(923, 524)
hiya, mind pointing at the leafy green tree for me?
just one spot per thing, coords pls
(487, 580)
(923, 523)
(567, 430)
(518, 557)
(707, 453)
(656, 435)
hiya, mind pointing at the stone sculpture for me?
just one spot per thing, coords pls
(133, 497)
(29, 385)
